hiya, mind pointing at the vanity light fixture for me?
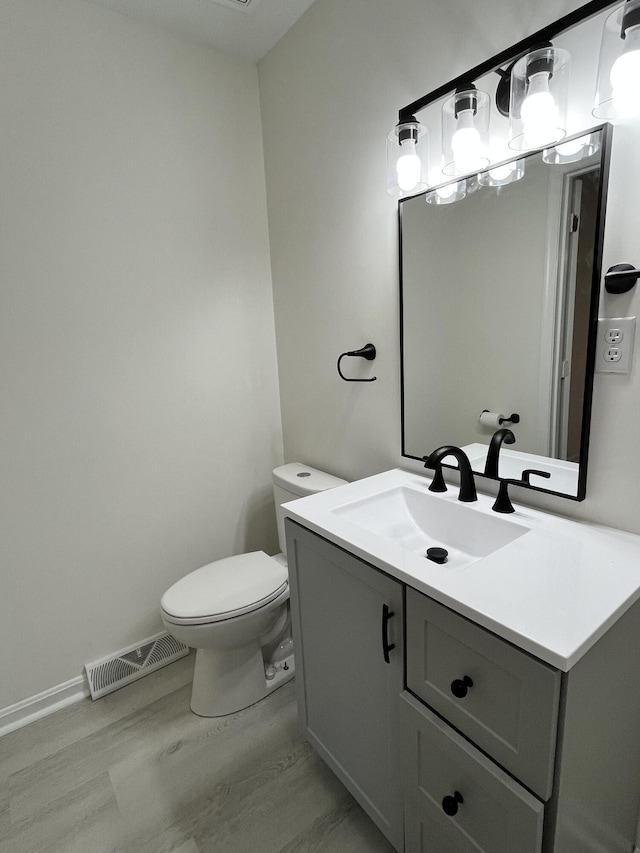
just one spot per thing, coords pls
(465, 131)
(538, 99)
(407, 160)
(617, 92)
(532, 93)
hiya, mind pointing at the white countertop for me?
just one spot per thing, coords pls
(553, 591)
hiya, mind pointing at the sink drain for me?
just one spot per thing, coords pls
(437, 555)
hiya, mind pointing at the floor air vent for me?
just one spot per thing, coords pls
(114, 671)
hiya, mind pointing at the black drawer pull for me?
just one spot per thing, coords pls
(460, 687)
(386, 645)
(450, 804)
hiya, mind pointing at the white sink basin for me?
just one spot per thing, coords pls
(417, 519)
(552, 592)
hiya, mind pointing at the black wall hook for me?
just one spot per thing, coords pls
(620, 278)
(368, 351)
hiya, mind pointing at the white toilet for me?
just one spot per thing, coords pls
(235, 612)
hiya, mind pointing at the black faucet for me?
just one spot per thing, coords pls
(503, 501)
(499, 437)
(467, 483)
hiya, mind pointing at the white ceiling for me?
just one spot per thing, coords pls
(246, 32)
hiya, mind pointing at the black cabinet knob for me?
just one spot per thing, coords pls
(450, 804)
(460, 687)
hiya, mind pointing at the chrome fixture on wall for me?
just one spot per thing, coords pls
(532, 93)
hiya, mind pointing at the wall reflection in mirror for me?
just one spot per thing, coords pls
(500, 281)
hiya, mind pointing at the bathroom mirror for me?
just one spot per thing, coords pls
(499, 300)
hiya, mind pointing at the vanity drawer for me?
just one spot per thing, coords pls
(507, 700)
(495, 814)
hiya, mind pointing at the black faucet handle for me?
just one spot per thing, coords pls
(434, 462)
(437, 483)
(503, 501)
(528, 472)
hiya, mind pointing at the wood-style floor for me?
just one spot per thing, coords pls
(137, 772)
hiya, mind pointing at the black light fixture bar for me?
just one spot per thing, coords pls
(546, 34)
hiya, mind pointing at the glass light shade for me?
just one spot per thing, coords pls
(407, 159)
(618, 86)
(447, 193)
(538, 101)
(471, 184)
(465, 131)
(572, 150)
(503, 174)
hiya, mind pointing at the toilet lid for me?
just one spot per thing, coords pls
(238, 584)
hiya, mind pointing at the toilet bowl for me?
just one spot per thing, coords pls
(235, 613)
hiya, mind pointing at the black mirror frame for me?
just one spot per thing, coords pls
(607, 134)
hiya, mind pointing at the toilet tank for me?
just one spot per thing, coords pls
(296, 480)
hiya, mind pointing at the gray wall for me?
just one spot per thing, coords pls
(330, 91)
(138, 379)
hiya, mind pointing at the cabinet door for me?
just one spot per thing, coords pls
(345, 615)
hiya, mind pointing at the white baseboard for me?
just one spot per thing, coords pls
(15, 716)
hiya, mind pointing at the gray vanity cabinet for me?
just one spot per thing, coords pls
(347, 618)
(485, 748)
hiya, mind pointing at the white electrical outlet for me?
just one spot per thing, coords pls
(613, 336)
(614, 351)
(613, 354)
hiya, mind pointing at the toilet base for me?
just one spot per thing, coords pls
(228, 680)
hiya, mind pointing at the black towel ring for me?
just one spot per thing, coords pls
(368, 351)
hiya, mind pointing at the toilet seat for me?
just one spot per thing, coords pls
(225, 589)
